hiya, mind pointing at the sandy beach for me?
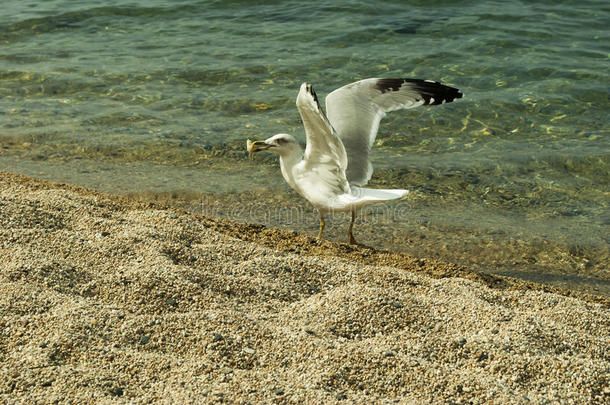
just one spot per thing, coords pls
(104, 299)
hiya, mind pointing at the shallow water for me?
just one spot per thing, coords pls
(145, 97)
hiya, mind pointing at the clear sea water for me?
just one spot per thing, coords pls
(156, 99)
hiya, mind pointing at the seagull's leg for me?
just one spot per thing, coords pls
(350, 236)
(322, 225)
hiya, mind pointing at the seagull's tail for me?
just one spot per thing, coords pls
(366, 196)
(361, 197)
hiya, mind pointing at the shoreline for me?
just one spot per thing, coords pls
(291, 241)
(552, 252)
(108, 298)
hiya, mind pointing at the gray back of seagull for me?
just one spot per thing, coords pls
(356, 109)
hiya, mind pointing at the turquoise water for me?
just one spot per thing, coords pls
(159, 97)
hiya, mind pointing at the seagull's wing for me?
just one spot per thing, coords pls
(356, 109)
(322, 141)
(325, 157)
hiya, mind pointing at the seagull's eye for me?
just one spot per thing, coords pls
(280, 141)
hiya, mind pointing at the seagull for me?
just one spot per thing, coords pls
(335, 166)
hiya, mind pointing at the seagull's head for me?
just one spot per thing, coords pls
(282, 144)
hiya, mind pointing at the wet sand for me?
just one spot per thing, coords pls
(107, 299)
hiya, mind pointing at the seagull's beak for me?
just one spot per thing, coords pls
(257, 146)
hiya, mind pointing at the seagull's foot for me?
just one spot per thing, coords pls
(322, 225)
(351, 240)
(350, 235)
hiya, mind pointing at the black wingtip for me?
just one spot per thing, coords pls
(311, 91)
(433, 93)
